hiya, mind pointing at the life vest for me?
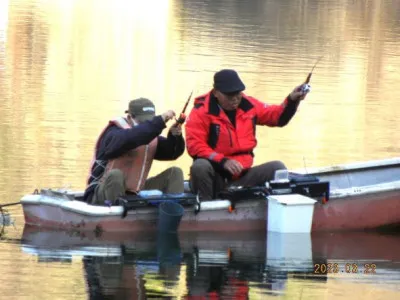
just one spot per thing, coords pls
(134, 164)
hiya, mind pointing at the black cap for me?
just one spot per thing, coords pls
(228, 81)
(142, 109)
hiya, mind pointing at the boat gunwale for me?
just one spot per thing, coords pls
(365, 190)
(103, 211)
(86, 209)
(348, 167)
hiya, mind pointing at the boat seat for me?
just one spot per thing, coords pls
(302, 178)
(235, 194)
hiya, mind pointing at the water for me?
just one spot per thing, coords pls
(66, 67)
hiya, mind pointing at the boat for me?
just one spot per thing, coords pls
(354, 196)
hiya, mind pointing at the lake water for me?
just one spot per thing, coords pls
(67, 67)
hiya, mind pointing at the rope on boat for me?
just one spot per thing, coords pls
(9, 204)
(35, 192)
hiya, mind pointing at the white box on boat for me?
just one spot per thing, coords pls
(291, 213)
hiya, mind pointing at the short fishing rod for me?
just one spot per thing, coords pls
(306, 87)
(182, 116)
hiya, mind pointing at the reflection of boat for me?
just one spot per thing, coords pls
(358, 256)
(215, 246)
(214, 263)
(150, 264)
(361, 196)
(357, 246)
(209, 263)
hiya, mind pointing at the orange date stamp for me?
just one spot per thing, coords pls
(345, 268)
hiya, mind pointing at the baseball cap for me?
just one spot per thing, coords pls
(228, 81)
(142, 109)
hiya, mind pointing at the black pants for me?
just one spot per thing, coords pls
(208, 182)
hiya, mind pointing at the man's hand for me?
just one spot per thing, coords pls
(168, 115)
(176, 130)
(298, 93)
(233, 166)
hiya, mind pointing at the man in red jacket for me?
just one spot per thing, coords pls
(221, 135)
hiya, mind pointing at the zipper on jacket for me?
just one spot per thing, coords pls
(230, 136)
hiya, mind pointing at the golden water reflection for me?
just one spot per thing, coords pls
(69, 67)
(66, 67)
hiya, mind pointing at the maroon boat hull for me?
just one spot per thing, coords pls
(364, 212)
(358, 212)
(249, 216)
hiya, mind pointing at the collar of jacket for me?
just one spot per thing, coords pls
(214, 108)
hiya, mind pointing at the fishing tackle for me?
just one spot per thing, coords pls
(305, 88)
(182, 116)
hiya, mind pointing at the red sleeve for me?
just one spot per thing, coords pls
(268, 114)
(197, 130)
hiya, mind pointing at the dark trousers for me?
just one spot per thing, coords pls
(207, 182)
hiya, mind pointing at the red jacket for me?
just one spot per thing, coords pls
(210, 134)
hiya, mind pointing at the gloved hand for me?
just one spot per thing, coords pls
(300, 92)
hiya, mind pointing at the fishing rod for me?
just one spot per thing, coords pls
(182, 116)
(306, 87)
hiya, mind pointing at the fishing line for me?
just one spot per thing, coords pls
(312, 70)
(306, 87)
(305, 165)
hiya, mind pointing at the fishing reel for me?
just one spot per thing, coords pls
(305, 88)
(181, 119)
(182, 116)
